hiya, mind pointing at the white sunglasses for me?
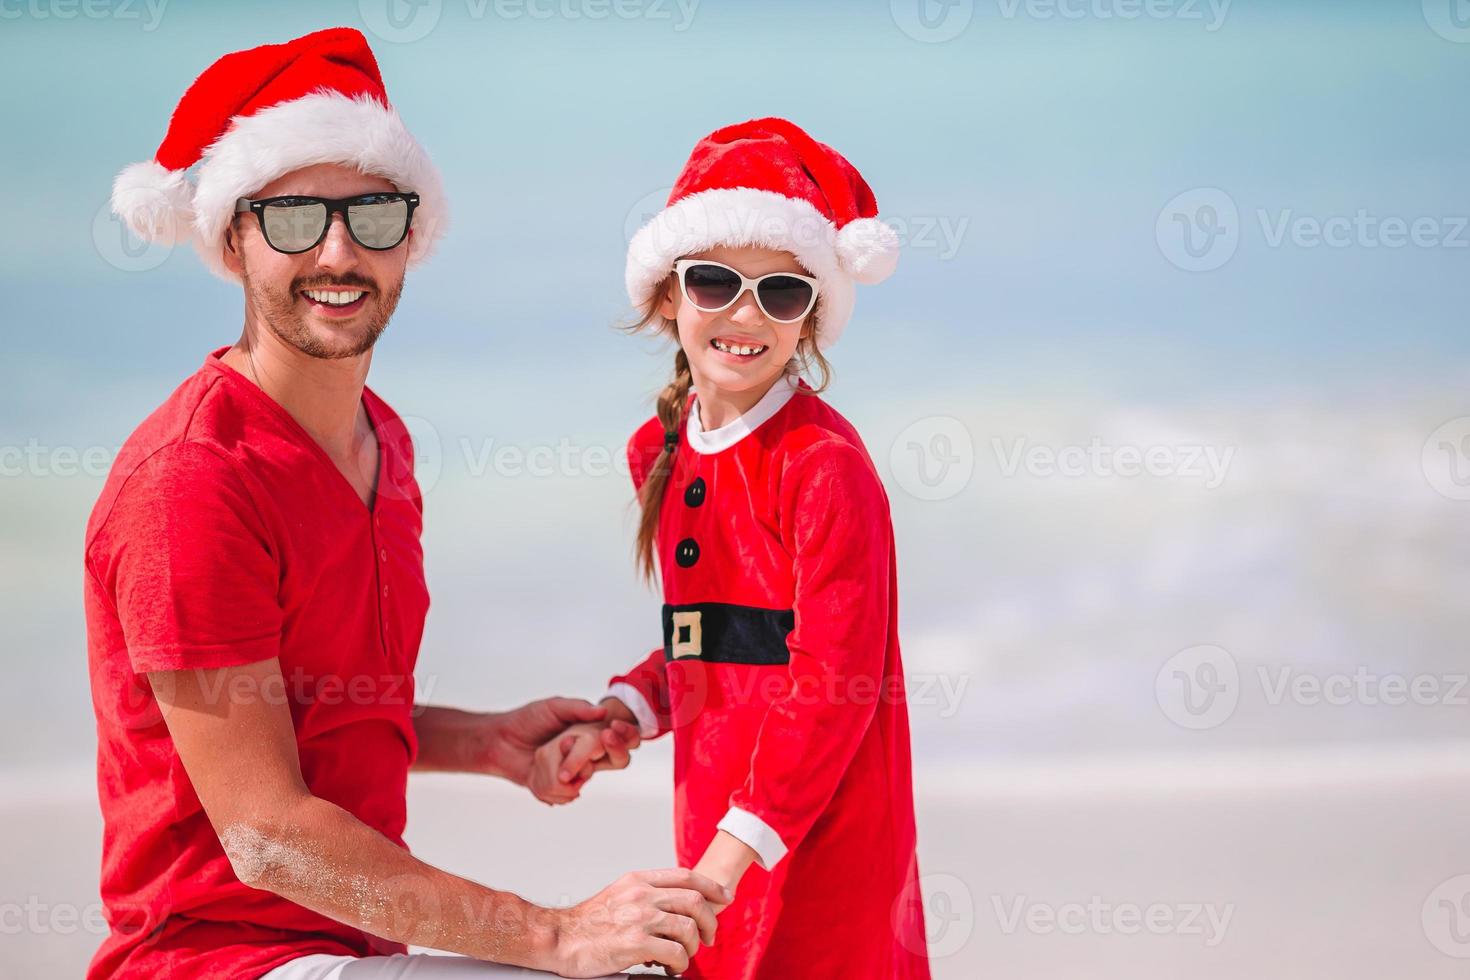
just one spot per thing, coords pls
(784, 297)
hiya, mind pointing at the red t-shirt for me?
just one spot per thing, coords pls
(225, 535)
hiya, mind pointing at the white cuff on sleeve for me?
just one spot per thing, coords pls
(755, 834)
(638, 704)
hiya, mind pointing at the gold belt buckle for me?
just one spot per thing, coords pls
(686, 639)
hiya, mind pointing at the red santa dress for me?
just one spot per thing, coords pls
(781, 679)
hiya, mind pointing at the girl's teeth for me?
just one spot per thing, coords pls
(742, 350)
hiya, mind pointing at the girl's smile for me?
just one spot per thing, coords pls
(739, 349)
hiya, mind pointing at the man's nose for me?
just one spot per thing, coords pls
(337, 251)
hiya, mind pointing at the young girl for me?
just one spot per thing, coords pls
(763, 515)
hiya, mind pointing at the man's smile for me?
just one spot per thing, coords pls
(335, 302)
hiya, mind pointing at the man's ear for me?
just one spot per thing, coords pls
(231, 247)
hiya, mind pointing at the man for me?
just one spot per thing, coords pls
(255, 591)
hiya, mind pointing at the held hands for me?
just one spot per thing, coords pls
(548, 764)
(513, 737)
(563, 764)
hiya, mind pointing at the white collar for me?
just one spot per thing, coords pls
(727, 435)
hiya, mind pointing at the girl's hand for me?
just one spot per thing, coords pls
(619, 739)
(549, 762)
(582, 753)
(562, 766)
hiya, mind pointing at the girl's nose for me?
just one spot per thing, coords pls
(746, 310)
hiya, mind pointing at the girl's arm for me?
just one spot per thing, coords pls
(725, 861)
(641, 696)
(835, 523)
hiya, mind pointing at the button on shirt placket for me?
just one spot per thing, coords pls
(381, 553)
(686, 552)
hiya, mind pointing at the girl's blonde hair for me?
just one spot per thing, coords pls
(671, 404)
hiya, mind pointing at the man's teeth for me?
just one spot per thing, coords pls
(334, 297)
(739, 349)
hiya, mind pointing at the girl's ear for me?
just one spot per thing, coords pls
(668, 307)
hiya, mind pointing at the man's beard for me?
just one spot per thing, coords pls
(278, 309)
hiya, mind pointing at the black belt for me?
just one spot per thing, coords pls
(722, 633)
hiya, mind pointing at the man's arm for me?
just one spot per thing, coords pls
(233, 733)
(451, 740)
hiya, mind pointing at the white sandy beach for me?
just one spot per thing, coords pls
(1331, 862)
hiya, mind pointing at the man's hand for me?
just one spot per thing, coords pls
(517, 734)
(643, 917)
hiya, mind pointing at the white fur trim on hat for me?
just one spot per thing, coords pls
(325, 127)
(744, 216)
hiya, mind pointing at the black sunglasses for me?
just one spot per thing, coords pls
(298, 224)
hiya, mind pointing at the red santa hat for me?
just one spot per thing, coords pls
(767, 183)
(256, 115)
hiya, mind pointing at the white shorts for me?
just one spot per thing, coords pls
(399, 966)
